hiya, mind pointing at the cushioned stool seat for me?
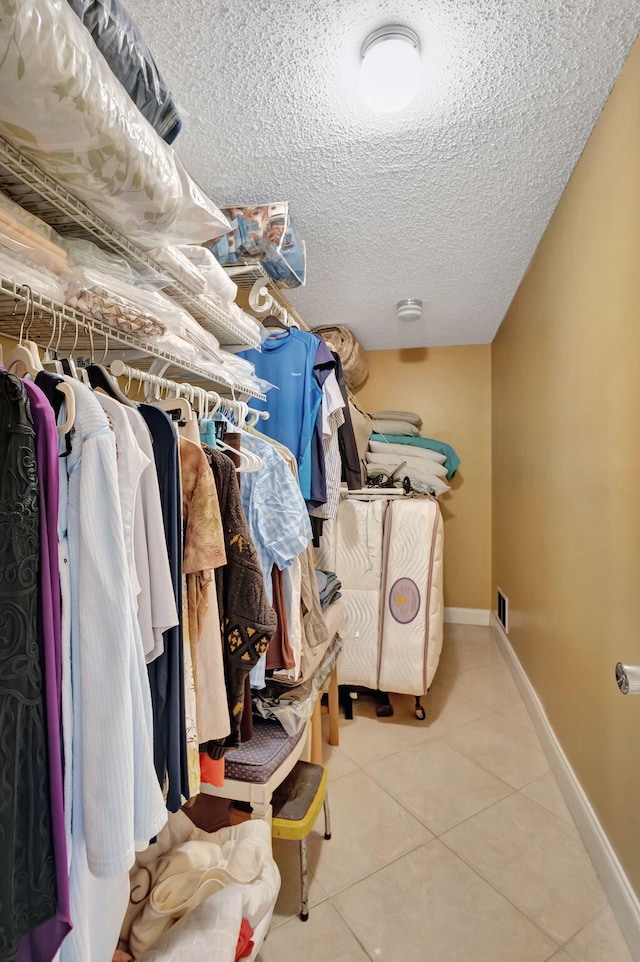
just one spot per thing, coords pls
(257, 760)
(296, 803)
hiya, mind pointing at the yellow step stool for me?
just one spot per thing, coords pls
(296, 805)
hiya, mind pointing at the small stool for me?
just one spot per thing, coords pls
(296, 805)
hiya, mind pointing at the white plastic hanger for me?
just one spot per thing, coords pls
(50, 360)
(249, 462)
(176, 403)
(65, 389)
(25, 359)
(70, 406)
(253, 417)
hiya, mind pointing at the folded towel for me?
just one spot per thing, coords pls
(389, 426)
(390, 450)
(428, 465)
(452, 461)
(399, 416)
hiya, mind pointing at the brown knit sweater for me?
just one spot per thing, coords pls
(247, 619)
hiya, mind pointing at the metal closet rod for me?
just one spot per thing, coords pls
(210, 399)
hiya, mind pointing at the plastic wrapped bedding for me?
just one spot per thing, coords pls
(25, 272)
(218, 283)
(30, 238)
(113, 302)
(181, 268)
(82, 129)
(30, 248)
(119, 41)
(137, 310)
(23, 216)
(266, 235)
(245, 321)
(84, 253)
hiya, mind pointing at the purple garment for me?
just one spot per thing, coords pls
(42, 943)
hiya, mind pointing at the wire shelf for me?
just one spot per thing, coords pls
(65, 329)
(38, 192)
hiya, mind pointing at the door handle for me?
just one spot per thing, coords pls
(628, 678)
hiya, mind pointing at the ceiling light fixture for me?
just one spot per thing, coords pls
(409, 309)
(390, 72)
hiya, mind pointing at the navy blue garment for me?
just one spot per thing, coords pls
(48, 383)
(322, 367)
(166, 673)
(119, 41)
(351, 469)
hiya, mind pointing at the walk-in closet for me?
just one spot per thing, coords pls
(319, 528)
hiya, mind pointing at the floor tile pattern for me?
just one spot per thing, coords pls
(451, 839)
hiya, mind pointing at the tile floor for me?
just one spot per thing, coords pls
(451, 840)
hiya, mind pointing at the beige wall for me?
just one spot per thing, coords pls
(450, 387)
(566, 467)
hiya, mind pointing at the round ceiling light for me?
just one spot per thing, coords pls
(410, 309)
(390, 72)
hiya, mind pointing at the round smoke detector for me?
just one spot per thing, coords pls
(409, 309)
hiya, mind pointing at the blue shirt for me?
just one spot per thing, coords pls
(287, 361)
(277, 517)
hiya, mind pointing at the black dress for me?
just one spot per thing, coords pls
(27, 876)
(166, 673)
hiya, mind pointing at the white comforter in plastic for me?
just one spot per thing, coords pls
(61, 105)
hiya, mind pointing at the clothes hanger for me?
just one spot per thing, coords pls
(272, 323)
(249, 462)
(68, 364)
(23, 360)
(203, 405)
(50, 360)
(101, 380)
(70, 406)
(33, 347)
(178, 403)
(253, 417)
(257, 460)
(63, 388)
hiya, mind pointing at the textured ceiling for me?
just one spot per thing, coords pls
(445, 201)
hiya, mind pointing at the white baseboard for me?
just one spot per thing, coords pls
(466, 616)
(624, 901)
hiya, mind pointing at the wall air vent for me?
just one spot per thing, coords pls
(503, 610)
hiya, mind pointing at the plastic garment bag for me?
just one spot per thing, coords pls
(119, 41)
